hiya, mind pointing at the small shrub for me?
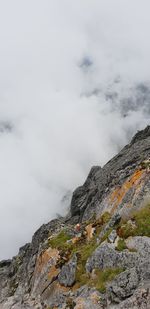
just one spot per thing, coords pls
(105, 218)
(121, 245)
(142, 220)
(141, 225)
(125, 230)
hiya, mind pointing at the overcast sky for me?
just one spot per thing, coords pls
(74, 88)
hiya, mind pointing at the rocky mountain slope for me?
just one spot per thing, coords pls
(98, 256)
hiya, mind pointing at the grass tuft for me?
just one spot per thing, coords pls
(121, 245)
(59, 240)
(105, 276)
(101, 278)
(141, 226)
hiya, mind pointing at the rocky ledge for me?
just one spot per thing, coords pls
(98, 255)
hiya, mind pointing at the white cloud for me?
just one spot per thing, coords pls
(61, 122)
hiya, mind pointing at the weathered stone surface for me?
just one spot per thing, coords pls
(123, 286)
(45, 270)
(139, 243)
(112, 237)
(17, 276)
(68, 271)
(55, 296)
(84, 195)
(88, 298)
(114, 220)
(105, 256)
(139, 300)
(24, 303)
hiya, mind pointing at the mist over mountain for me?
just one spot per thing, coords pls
(74, 88)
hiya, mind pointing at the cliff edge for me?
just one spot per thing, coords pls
(98, 255)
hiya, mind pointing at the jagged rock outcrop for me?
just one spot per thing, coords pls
(105, 256)
(127, 282)
(120, 185)
(98, 255)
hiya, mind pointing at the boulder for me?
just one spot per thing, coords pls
(105, 256)
(68, 271)
(139, 300)
(123, 286)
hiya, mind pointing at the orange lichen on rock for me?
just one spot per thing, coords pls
(53, 272)
(119, 193)
(44, 258)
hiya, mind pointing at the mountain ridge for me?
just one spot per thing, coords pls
(100, 240)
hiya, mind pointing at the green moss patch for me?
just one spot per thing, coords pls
(105, 218)
(140, 226)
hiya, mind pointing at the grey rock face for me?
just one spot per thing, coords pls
(24, 303)
(141, 244)
(123, 286)
(141, 135)
(139, 300)
(87, 199)
(68, 271)
(89, 298)
(16, 275)
(105, 256)
(84, 195)
(112, 237)
(114, 220)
